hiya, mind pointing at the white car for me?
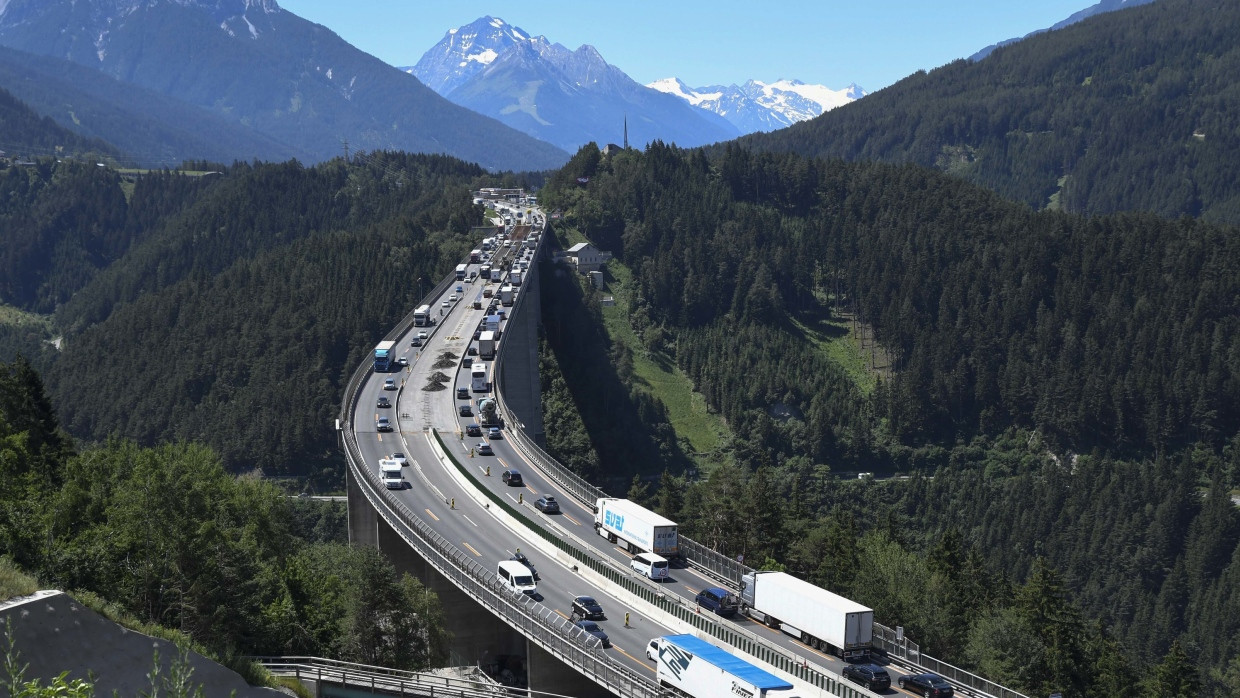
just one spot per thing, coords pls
(445, 304)
(399, 458)
(452, 298)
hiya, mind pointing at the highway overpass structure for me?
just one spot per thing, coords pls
(455, 519)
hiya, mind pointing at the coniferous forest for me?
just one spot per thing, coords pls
(1063, 394)
(1126, 111)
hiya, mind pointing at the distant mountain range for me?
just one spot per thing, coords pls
(1101, 7)
(760, 106)
(568, 98)
(262, 68)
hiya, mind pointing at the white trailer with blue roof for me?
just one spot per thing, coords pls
(697, 668)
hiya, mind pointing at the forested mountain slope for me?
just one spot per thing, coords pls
(1134, 110)
(151, 129)
(216, 303)
(1019, 339)
(24, 133)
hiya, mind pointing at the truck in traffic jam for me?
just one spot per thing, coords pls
(815, 616)
(488, 413)
(696, 668)
(641, 530)
(383, 356)
(486, 345)
(505, 294)
(460, 271)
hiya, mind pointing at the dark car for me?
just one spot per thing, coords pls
(383, 401)
(872, 676)
(547, 504)
(512, 478)
(473, 430)
(465, 411)
(591, 627)
(521, 558)
(587, 608)
(928, 685)
(718, 600)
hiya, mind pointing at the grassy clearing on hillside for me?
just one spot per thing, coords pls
(18, 318)
(657, 373)
(835, 340)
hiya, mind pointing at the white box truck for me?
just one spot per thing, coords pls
(699, 669)
(641, 530)
(505, 294)
(828, 622)
(486, 345)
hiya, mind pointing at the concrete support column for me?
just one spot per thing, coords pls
(362, 516)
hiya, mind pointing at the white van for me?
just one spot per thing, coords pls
(392, 478)
(650, 565)
(517, 578)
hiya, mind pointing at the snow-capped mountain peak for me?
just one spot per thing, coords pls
(761, 106)
(465, 51)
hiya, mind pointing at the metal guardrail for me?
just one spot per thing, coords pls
(374, 678)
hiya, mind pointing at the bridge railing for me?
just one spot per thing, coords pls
(381, 679)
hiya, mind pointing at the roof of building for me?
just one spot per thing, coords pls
(579, 247)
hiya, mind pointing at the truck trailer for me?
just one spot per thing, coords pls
(698, 669)
(486, 345)
(505, 294)
(828, 622)
(383, 356)
(641, 530)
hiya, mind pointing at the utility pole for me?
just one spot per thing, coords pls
(346, 150)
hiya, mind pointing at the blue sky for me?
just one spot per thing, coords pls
(830, 42)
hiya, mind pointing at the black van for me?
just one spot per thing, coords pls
(719, 600)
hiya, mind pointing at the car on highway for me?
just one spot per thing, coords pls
(389, 384)
(467, 362)
(928, 685)
(484, 449)
(403, 361)
(452, 298)
(473, 430)
(383, 401)
(445, 304)
(383, 424)
(587, 608)
(547, 504)
(494, 433)
(872, 676)
(512, 478)
(399, 458)
(591, 627)
(465, 411)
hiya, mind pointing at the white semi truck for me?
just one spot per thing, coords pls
(698, 669)
(641, 530)
(815, 616)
